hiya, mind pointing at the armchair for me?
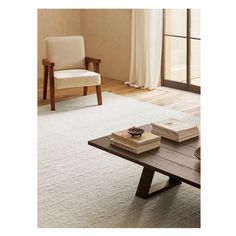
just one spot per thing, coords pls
(66, 66)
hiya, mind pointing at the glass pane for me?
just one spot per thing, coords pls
(195, 62)
(175, 59)
(195, 23)
(176, 22)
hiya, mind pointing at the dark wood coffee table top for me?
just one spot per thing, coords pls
(176, 160)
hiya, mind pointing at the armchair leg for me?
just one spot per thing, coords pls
(99, 94)
(52, 90)
(85, 90)
(45, 82)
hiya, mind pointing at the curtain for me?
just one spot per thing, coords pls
(146, 45)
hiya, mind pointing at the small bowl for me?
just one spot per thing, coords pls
(135, 131)
(197, 153)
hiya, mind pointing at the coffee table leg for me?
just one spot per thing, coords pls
(145, 190)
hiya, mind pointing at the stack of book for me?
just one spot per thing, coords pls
(175, 129)
(147, 141)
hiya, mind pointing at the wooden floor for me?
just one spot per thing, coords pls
(163, 96)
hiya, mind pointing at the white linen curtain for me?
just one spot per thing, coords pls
(146, 46)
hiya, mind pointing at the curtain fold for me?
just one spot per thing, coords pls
(146, 45)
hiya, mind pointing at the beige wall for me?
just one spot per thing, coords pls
(56, 22)
(107, 35)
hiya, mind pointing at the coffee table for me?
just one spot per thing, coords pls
(175, 160)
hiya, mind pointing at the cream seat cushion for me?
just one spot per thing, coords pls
(76, 78)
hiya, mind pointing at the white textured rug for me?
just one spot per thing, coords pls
(81, 186)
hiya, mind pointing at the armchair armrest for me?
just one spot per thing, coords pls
(47, 63)
(95, 62)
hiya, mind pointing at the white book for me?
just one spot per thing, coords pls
(176, 137)
(174, 126)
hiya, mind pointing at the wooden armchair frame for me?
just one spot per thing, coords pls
(49, 73)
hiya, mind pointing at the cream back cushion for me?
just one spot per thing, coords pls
(67, 52)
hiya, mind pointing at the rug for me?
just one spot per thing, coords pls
(80, 186)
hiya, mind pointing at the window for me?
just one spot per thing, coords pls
(181, 49)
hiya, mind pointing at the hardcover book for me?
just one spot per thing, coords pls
(145, 138)
(175, 130)
(136, 150)
(175, 137)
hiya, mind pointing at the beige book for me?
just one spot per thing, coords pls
(145, 138)
(169, 133)
(136, 150)
(184, 138)
(176, 137)
(175, 126)
(164, 133)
